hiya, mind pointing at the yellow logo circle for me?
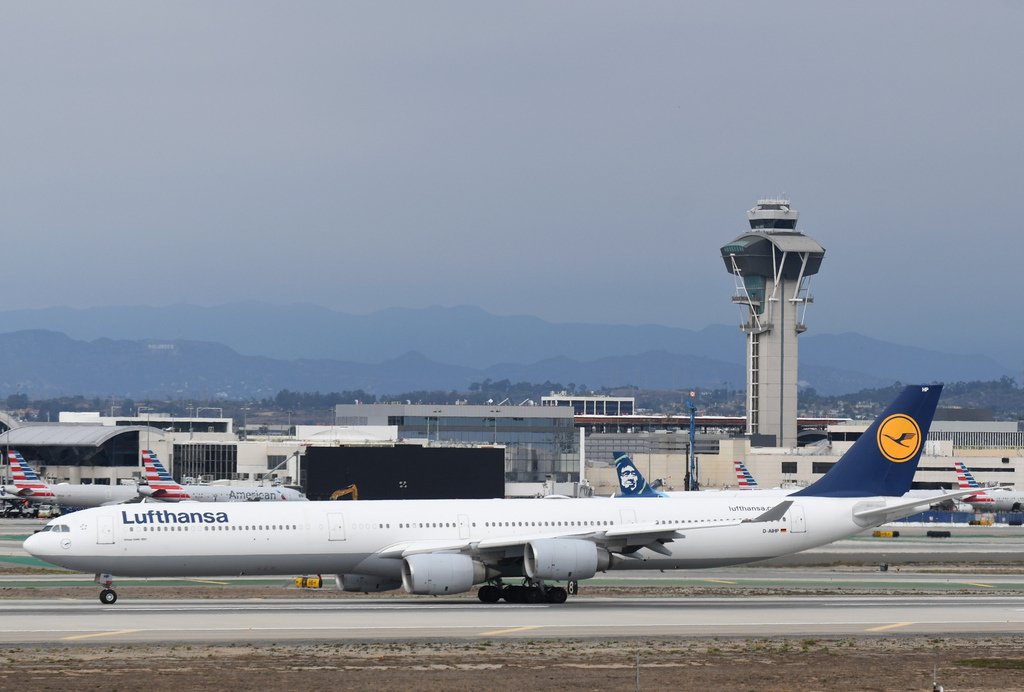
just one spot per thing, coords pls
(899, 438)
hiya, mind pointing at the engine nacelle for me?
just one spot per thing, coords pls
(564, 559)
(364, 583)
(441, 573)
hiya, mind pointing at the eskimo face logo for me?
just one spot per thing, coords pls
(628, 477)
(899, 438)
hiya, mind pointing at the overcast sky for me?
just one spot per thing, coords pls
(578, 161)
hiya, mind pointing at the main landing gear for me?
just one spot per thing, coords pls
(531, 591)
(107, 595)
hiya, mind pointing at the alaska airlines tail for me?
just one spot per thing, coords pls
(26, 480)
(743, 478)
(161, 485)
(631, 482)
(965, 478)
(884, 459)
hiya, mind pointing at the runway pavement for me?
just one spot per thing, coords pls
(976, 568)
(285, 621)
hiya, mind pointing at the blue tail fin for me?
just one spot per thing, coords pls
(631, 482)
(884, 459)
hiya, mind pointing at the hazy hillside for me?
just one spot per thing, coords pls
(44, 364)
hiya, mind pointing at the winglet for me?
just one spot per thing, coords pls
(884, 459)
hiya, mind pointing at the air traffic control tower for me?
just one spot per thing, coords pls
(772, 265)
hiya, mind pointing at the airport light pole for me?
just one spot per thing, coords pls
(245, 422)
(138, 412)
(495, 411)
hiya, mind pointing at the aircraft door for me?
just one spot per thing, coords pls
(627, 516)
(797, 521)
(335, 526)
(105, 529)
(463, 526)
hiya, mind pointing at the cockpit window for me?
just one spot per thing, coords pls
(46, 528)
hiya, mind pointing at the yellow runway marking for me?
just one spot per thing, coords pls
(514, 629)
(207, 581)
(970, 583)
(100, 634)
(719, 581)
(889, 627)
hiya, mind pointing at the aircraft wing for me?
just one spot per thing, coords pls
(613, 538)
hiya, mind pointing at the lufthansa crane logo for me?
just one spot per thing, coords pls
(899, 438)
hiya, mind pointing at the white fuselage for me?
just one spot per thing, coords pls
(239, 493)
(68, 495)
(998, 500)
(371, 537)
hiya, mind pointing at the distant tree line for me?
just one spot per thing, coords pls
(1003, 397)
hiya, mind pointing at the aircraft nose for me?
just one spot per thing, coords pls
(33, 544)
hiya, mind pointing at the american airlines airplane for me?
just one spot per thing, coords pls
(517, 549)
(28, 486)
(987, 499)
(161, 486)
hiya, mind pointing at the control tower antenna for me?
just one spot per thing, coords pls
(772, 265)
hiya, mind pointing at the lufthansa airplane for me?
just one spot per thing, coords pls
(518, 549)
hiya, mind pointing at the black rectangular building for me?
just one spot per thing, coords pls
(406, 472)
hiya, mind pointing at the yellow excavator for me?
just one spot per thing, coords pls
(350, 490)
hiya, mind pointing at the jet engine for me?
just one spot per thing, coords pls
(364, 583)
(442, 573)
(564, 559)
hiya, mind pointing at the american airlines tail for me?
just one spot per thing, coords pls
(631, 482)
(965, 478)
(26, 480)
(883, 461)
(161, 485)
(743, 478)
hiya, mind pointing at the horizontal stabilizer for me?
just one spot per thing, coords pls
(879, 514)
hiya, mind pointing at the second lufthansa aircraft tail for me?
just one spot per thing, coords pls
(882, 462)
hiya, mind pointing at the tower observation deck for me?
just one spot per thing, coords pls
(772, 265)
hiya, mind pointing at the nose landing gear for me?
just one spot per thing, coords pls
(107, 595)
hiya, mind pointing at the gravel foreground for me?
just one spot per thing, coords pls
(862, 663)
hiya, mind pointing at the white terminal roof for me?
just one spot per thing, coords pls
(56, 434)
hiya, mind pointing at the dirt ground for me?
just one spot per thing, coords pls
(686, 664)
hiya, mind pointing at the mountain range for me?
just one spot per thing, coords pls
(254, 350)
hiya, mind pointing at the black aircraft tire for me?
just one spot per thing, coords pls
(533, 594)
(108, 596)
(557, 595)
(489, 594)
